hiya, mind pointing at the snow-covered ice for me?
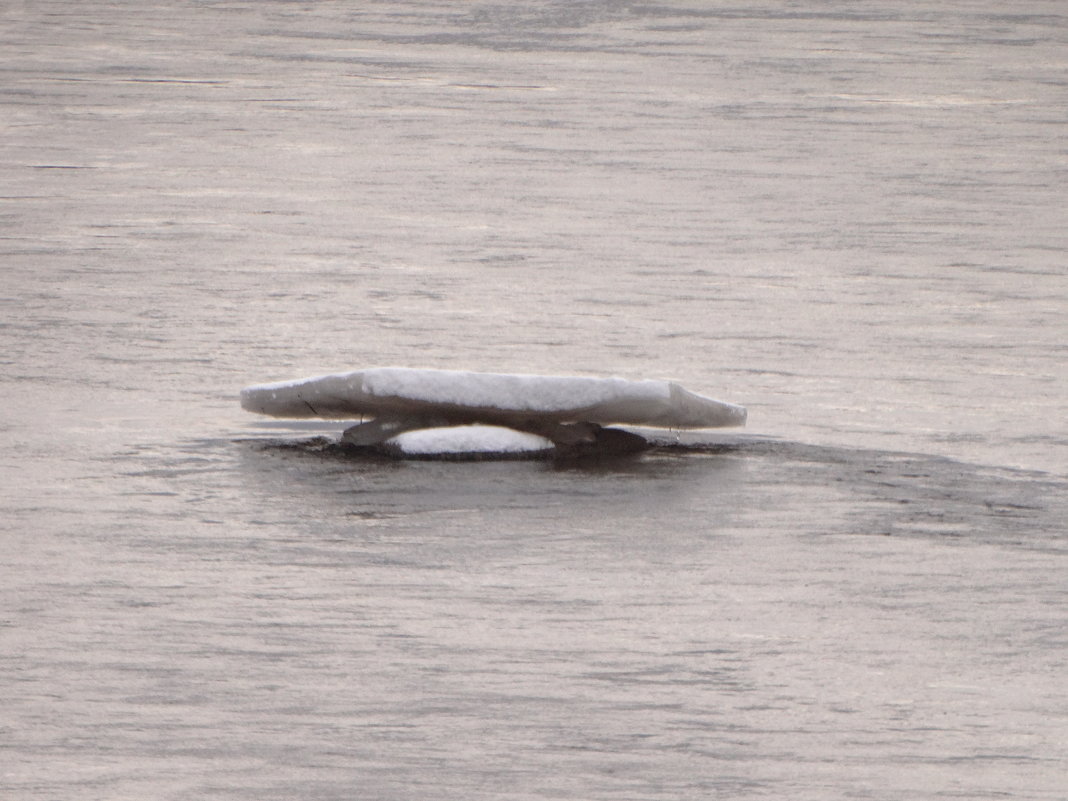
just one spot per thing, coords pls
(471, 397)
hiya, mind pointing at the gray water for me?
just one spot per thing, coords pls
(849, 217)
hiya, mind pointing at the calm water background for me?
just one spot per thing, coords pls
(849, 217)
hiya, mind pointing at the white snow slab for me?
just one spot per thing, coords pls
(468, 439)
(493, 398)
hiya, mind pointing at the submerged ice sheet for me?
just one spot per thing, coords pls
(468, 439)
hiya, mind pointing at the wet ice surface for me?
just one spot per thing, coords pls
(849, 220)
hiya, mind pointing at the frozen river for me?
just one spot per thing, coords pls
(849, 218)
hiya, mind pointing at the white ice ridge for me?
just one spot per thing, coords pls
(456, 397)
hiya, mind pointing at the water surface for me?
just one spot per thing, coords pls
(848, 219)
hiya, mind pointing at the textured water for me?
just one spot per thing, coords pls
(848, 217)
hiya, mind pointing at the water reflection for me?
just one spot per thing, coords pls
(735, 484)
